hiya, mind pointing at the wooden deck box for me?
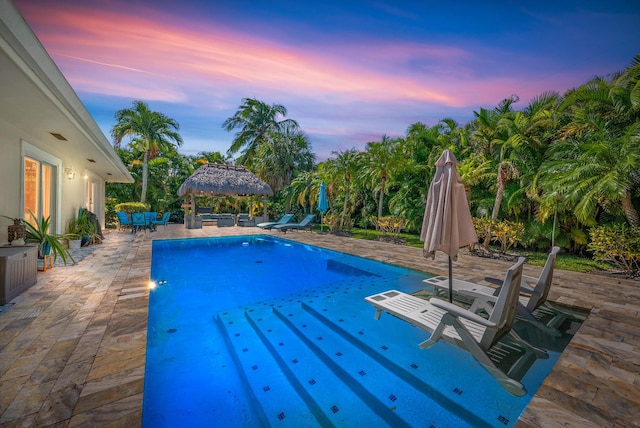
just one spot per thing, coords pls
(18, 271)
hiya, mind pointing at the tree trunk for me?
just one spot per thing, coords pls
(344, 206)
(496, 209)
(381, 199)
(630, 211)
(145, 171)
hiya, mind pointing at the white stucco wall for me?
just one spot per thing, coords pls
(10, 159)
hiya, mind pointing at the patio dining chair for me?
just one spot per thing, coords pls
(124, 220)
(163, 221)
(138, 221)
(151, 216)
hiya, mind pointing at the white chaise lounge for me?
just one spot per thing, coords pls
(533, 293)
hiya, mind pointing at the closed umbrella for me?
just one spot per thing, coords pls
(447, 224)
(323, 204)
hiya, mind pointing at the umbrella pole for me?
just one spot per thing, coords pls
(450, 282)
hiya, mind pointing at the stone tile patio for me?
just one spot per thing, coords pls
(72, 348)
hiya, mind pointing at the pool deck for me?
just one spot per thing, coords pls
(72, 348)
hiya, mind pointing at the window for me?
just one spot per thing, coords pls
(40, 194)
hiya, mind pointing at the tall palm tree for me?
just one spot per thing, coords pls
(283, 155)
(254, 120)
(497, 135)
(154, 132)
(380, 160)
(343, 169)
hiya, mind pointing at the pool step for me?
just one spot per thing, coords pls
(326, 394)
(394, 344)
(405, 397)
(339, 383)
(354, 354)
(262, 375)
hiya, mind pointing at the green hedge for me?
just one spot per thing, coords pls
(132, 207)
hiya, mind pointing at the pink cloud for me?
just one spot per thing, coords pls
(348, 95)
(152, 51)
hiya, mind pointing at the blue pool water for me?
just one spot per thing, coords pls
(255, 331)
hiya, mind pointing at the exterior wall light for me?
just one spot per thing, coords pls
(70, 173)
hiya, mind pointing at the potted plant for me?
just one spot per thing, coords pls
(48, 243)
(81, 230)
(73, 238)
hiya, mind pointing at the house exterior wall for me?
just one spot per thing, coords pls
(72, 194)
(36, 101)
(9, 170)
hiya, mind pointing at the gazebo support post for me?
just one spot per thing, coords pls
(264, 210)
(193, 212)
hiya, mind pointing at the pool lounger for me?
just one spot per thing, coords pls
(269, 224)
(304, 224)
(464, 328)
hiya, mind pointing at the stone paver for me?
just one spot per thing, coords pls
(72, 348)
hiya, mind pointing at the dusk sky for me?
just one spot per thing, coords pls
(348, 71)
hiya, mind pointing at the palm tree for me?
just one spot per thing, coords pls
(343, 169)
(498, 133)
(212, 157)
(380, 160)
(255, 120)
(596, 160)
(154, 130)
(628, 86)
(304, 189)
(283, 155)
(543, 119)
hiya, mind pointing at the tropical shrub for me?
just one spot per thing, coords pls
(537, 235)
(481, 224)
(333, 221)
(618, 244)
(506, 233)
(389, 224)
(110, 213)
(132, 207)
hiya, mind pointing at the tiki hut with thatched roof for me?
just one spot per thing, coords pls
(214, 179)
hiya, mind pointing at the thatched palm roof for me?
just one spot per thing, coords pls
(217, 179)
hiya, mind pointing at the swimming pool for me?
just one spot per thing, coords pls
(256, 330)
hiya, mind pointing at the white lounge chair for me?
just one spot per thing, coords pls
(464, 328)
(533, 293)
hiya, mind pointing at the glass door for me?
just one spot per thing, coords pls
(90, 195)
(39, 189)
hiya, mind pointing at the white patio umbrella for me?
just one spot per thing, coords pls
(447, 224)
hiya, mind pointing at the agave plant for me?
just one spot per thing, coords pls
(48, 243)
